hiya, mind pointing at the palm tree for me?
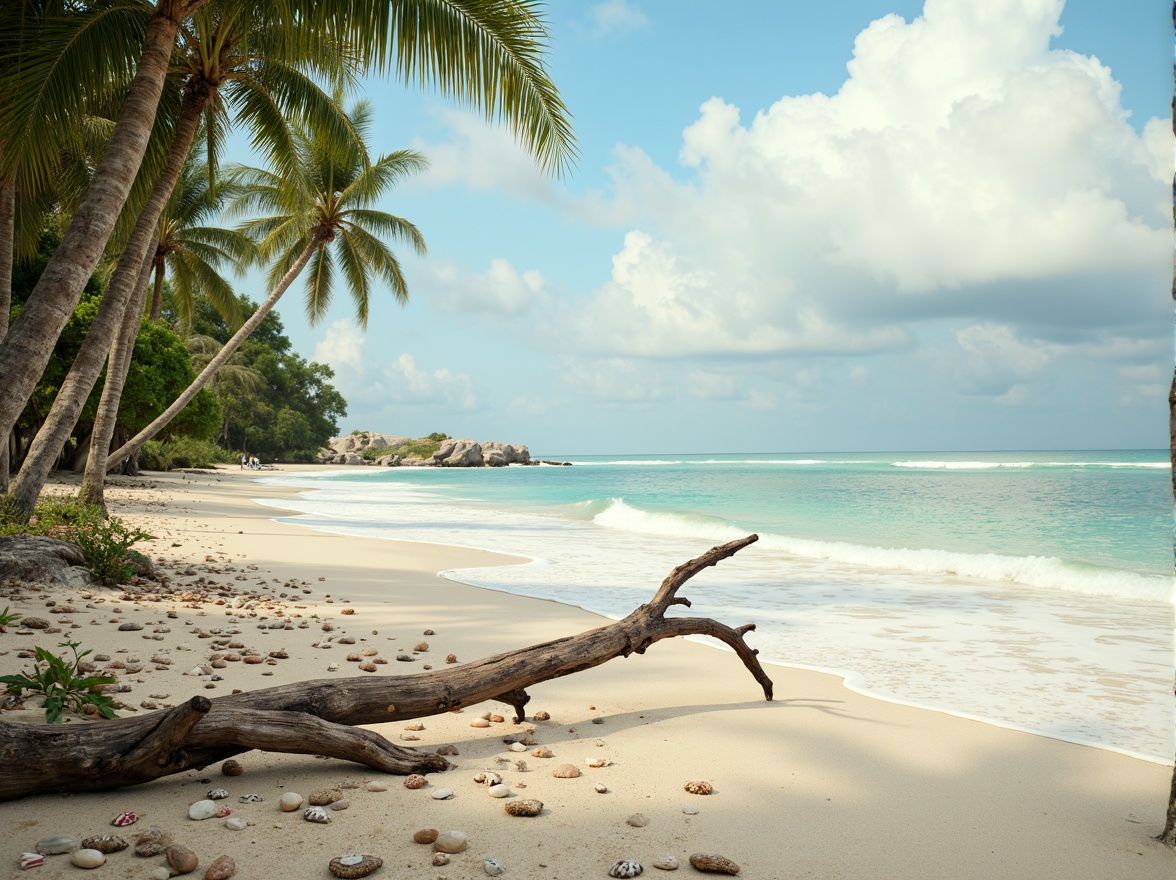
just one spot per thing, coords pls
(323, 216)
(486, 53)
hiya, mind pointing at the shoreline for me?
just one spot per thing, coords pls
(821, 783)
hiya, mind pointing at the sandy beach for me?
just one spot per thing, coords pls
(820, 783)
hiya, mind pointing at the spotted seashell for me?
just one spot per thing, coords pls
(415, 781)
(713, 864)
(317, 814)
(251, 799)
(354, 865)
(106, 843)
(31, 860)
(699, 787)
(324, 796)
(528, 807)
(625, 868)
(492, 867)
(217, 794)
(124, 819)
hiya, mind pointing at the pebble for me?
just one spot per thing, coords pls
(105, 843)
(480, 722)
(222, 869)
(318, 815)
(152, 842)
(232, 768)
(492, 866)
(290, 802)
(566, 771)
(638, 820)
(376, 786)
(205, 809)
(667, 862)
(499, 791)
(690, 811)
(87, 858)
(443, 794)
(542, 752)
(52, 846)
(517, 747)
(447, 749)
(182, 859)
(440, 859)
(354, 865)
(324, 796)
(341, 804)
(699, 787)
(425, 835)
(625, 868)
(713, 864)
(160, 874)
(217, 794)
(597, 762)
(236, 823)
(541, 716)
(600, 788)
(528, 807)
(451, 842)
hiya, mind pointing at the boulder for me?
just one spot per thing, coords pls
(459, 453)
(493, 458)
(511, 453)
(42, 560)
(392, 460)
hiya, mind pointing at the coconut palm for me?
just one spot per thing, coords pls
(486, 53)
(323, 216)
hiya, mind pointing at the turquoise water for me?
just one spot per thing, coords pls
(1031, 590)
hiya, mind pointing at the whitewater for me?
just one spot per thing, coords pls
(1028, 590)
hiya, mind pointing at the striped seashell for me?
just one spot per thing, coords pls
(124, 819)
(317, 814)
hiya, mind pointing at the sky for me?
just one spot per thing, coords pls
(865, 225)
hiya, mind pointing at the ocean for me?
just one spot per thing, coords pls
(1031, 590)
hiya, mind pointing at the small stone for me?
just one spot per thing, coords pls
(517, 747)
(699, 787)
(528, 807)
(415, 726)
(122, 627)
(354, 865)
(341, 804)
(217, 794)
(542, 752)
(232, 768)
(182, 859)
(625, 868)
(221, 869)
(488, 777)
(498, 791)
(447, 749)
(425, 835)
(638, 820)
(376, 786)
(160, 874)
(106, 843)
(492, 866)
(451, 842)
(87, 858)
(667, 862)
(566, 771)
(205, 809)
(236, 823)
(440, 859)
(542, 716)
(290, 802)
(597, 762)
(713, 864)
(451, 658)
(600, 788)
(480, 722)
(415, 781)
(52, 846)
(317, 815)
(689, 810)
(152, 842)
(442, 794)
(324, 796)
(422, 646)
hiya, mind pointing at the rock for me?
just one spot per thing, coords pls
(492, 866)
(699, 787)
(425, 835)
(232, 768)
(542, 752)
(35, 623)
(597, 762)
(376, 786)
(160, 874)
(152, 842)
(106, 843)
(713, 864)
(459, 453)
(689, 810)
(182, 859)
(354, 865)
(528, 807)
(517, 747)
(414, 781)
(480, 722)
(290, 801)
(36, 559)
(317, 815)
(447, 749)
(451, 842)
(542, 716)
(507, 453)
(667, 862)
(87, 858)
(205, 809)
(625, 868)
(236, 823)
(221, 869)
(341, 804)
(638, 820)
(566, 771)
(56, 845)
(499, 791)
(600, 788)
(440, 859)
(442, 794)
(324, 796)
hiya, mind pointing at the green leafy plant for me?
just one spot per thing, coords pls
(62, 683)
(7, 618)
(106, 548)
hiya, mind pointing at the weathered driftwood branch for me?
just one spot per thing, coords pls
(318, 716)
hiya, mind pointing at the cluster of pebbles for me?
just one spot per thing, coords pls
(91, 852)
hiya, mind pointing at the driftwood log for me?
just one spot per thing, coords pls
(317, 717)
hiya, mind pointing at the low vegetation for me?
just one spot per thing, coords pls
(62, 684)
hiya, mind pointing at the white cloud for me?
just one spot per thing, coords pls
(341, 347)
(616, 16)
(612, 380)
(405, 382)
(992, 362)
(501, 289)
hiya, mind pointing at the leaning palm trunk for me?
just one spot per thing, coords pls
(118, 365)
(136, 443)
(7, 230)
(28, 346)
(136, 260)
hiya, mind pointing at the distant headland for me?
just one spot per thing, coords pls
(436, 450)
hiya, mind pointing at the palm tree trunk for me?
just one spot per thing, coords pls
(133, 269)
(135, 443)
(157, 294)
(7, 230)
(94, 481)
(28, 346)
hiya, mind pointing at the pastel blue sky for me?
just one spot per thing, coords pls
(856, 225)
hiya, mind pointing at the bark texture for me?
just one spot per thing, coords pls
(318, 717)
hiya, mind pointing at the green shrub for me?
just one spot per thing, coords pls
(437, 436)
(62, 684)
(182, 452)
(106, 547)
(55, 517)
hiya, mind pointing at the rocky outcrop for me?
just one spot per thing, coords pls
(40, 560)
(350, 449)
(459, 453)
(453, 452)
(496, 454)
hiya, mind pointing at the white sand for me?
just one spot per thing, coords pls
(820, 783)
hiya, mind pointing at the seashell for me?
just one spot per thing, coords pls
(415, 781)
(425, 835)
(542, 752)
(498, 791)
(31, 859)
(699, 787)
(318, 815)
(488, 778)
(668, 862)
(713, 864)
(232, 768)
(521, 766)
(182, 859)
(152, 842)
(542, 716)
(87, 858)
(638, 820)
(222, 869)
(354, 865)
(251, 799)
(217, 794)
(440, 859)
(447, 749)
(200, 810)
(597, 762)
(451, 658)
(122, 820)
(346, 610)
(529, 807)
(566, 771)
(106, 843)
(324, 796)
(53, 846)
(625, 868)
(442, 794)
(480, 722)
(600, 788)
(290, 802)
(451, 842)
(492, 866)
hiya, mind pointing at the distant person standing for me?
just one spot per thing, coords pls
(244, 460)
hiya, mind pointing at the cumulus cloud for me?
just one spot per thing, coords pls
(500, 290)
(992, 362)
(616, 16)
(341, 347)
(406, 382)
